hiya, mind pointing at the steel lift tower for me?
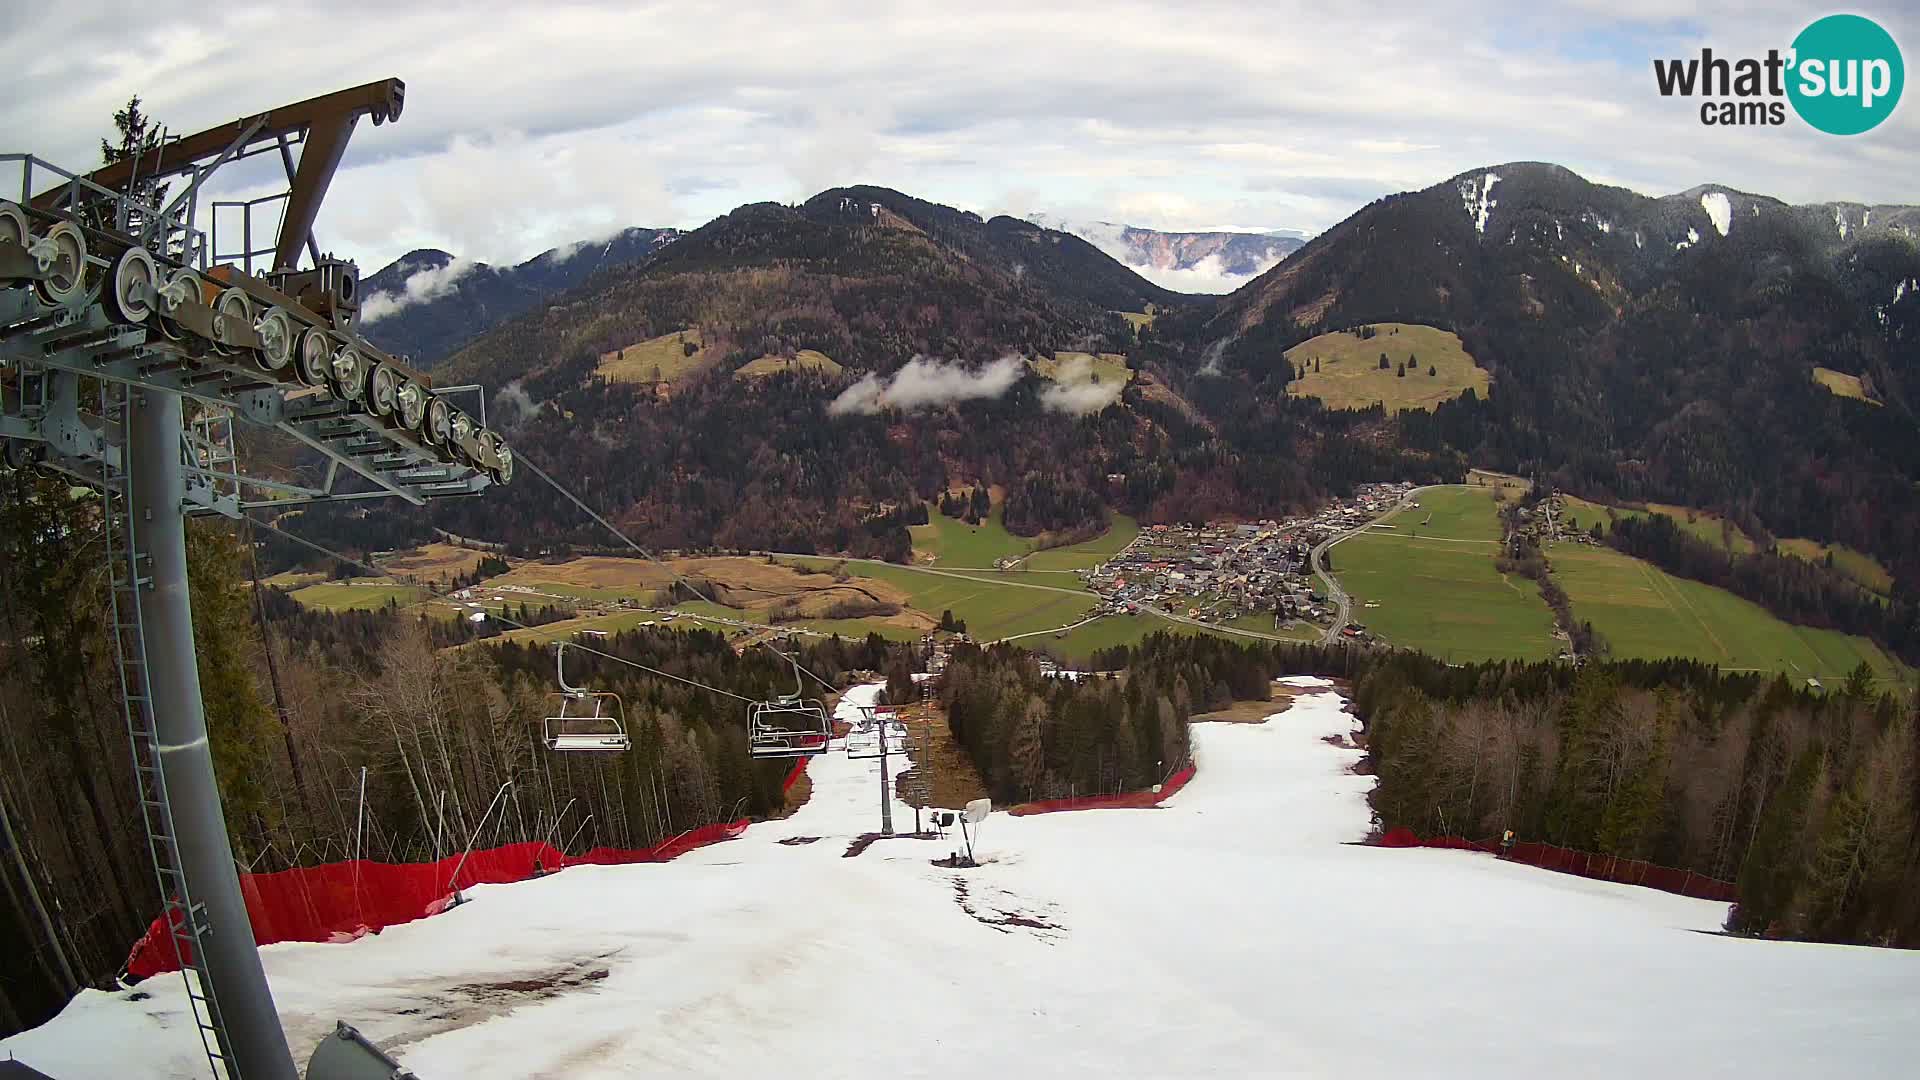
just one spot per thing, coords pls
(128, 346)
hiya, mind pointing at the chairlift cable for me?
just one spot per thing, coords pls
(590, 512)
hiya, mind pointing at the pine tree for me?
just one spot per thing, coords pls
(1863, 843)
(240, 728)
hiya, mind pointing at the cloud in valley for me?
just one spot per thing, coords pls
(925, 383)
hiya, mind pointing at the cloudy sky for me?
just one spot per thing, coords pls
(529, 125)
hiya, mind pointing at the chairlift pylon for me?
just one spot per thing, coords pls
(587, 719)
(789, 725)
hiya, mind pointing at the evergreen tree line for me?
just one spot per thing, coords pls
(299, 702)
(1807, 801)
(1050, 502)
(1795, 589)
(1032, 736)
(1810, 801)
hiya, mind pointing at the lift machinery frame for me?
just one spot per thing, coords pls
(128, 348)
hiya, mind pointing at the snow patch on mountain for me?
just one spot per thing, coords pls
(1478, 199)
(1719, 208)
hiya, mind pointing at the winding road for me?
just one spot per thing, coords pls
(1335, 593)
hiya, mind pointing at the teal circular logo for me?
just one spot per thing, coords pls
(1846, 75)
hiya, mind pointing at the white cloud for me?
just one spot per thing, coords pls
(925, 382)
(529, 126)
(428, 283)
(1076, 392)
(1206, 276)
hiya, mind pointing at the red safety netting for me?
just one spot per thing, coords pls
(346, 900)
(1585, 864)
(793, 775)
(1132, 800)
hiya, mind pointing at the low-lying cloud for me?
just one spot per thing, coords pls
(1209, 275)
(423, 285)
(1077, 391)
(925, 383)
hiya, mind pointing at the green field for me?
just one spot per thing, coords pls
(1102, 367)
(953, 542)
(660, 359)
(1842, 384)
(1436, 586)
(1857, 565)
(804, 360)
(1700, 524)
(1085, 555)
(357, 595)
(1644, 612)
(989, 603)
(1350, 376)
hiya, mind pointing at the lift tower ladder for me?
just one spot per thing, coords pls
(129, 574)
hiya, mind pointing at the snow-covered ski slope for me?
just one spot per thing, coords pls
(1232, 932)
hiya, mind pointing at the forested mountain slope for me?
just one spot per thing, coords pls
(1641, 348)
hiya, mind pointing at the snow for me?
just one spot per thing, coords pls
(1478, 199)
(1840, 221)
(1693, 237)
(1719, 208)
(1234, 931)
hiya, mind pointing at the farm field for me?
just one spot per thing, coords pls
(1087, 554)
(952, 542)
(988, 603)
(357, 595)
(661, 359)
(1644, 612)
(1431, 584)
(432, 564)
(1842, 384)
(1700, 524)
(1105, 367)
(804, 360)
(1857, 565)
(1350, 376)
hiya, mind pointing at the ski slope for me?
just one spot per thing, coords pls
(1233, 931)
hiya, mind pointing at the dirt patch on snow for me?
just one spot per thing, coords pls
(1249, 712)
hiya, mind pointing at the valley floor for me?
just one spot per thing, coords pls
(1235, 931)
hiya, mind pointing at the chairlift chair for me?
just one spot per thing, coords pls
(882, 724)
(586, 719)
(789, 725)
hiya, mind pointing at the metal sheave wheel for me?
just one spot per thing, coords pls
(182, 287)
(439, 425)
(503, 465)
(460, 437)
(231, 310)
(130, 290)
(277, 338)
(347, 374)
(13, 225)
(411, 400)
(383, 386)
(62, 255)
(310, 359)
